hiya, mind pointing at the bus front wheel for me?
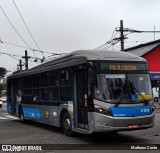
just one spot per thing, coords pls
(21, 115)
(66, 124)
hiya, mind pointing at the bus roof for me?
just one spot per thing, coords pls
(80, 57)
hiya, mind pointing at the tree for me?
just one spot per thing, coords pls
(3, 72)
(3, 86)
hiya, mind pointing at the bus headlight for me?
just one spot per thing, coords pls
(102, 110)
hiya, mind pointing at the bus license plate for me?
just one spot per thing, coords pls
(133, 126)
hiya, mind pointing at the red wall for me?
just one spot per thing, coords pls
(153, 59)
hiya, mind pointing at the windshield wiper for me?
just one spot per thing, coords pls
(119, 100)
(123, 94)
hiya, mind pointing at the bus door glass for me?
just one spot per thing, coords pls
(14, 90)
(81, 86)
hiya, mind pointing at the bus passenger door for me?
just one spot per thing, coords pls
(81, 91)
(13, 97)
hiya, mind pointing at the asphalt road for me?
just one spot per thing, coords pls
(14, 132)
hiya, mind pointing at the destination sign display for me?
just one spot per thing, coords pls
(123, 66)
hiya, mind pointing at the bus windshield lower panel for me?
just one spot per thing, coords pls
(123, 88)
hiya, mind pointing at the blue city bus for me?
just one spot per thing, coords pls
(85, 91)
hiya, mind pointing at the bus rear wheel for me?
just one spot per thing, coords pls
(21, 115)
(66, 124)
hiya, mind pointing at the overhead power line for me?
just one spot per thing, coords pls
(27, 27)
(109, 43)
(123, 35)
(32, 63)
(122, 30)
(46, 52)
(8, 43)
(34, 59)
(14, 27)
(9, 55)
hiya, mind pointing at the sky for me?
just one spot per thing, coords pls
(62, 26)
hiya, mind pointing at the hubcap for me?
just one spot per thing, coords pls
(67, 124)
(21, 117)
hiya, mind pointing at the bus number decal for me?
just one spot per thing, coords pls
(144, 110)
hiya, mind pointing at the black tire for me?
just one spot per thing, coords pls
(21, 115)
(66, 124)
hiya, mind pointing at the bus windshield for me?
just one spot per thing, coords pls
(123, 88)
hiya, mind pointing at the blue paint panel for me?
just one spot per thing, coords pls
(131, 111)
(17, 110)
(31, 113)
(70, 102)
(9, 109)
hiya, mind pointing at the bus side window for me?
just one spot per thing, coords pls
(36, 88)
(65, 85)
(54, 79)
(54, 94)
(54, 86)
(65, 77)
(27, 82)
(45, 87)
(27, 90)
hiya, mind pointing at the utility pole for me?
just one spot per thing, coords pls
(121, 35)
(20, 65)
(125, 31)
(121, 29)
(26, 57)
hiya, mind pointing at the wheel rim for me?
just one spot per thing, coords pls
(67, 124)
(21, 116)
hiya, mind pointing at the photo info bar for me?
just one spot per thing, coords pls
(39, 147)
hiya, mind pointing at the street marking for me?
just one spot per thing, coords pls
(3, 118)
(11, 117)
(5, 113)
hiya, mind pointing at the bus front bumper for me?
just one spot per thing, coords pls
(105, 123)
